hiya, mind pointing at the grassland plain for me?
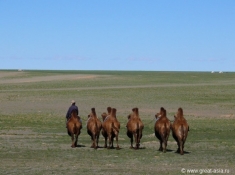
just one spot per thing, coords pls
(33, 138)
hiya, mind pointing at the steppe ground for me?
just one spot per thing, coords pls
(33, 138)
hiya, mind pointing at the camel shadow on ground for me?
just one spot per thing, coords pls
(185, 152)
(109, 148)
(79, 146)
(167, 150)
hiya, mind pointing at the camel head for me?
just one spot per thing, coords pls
(175, 116)
(104, 115)
(158, 115)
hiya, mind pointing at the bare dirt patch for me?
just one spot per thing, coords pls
(4, 75)
(10, 74)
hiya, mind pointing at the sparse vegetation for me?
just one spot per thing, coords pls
(33, 138)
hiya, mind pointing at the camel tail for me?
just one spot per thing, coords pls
(115, 130)
(75, 129)
(165, 137)
(97, 128)
(139, 134)
(184, 131)
(164, 133)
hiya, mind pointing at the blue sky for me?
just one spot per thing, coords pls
(182, 35)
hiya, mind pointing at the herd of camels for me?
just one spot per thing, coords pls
(110, 128)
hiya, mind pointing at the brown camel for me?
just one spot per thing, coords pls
(94, 126)
(162, 129)
(105, 117)
(74, 126)
(180, 130)
(110, 127)
(135, 127)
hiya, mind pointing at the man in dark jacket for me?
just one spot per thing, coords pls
(71, 108)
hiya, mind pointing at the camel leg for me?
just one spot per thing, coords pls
(111, 143)
(76, 140)
(73, 143)
(164, 145)
(181, 147)
(117, 142)
(178, 144)
(160, 148)
(93, 141)
(97, 141)
(105, 144)
(139, 135)
(95, 146)
(136, 140)
(131, 142)
(110, 140)
(167, 139)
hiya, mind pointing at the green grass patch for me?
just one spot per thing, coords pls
(33, 138)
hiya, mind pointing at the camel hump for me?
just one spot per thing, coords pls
(74, 113)
(113, 112)
(162, 111)
(109, 109)
(93, 111)
(135, 109)
(180, 111)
